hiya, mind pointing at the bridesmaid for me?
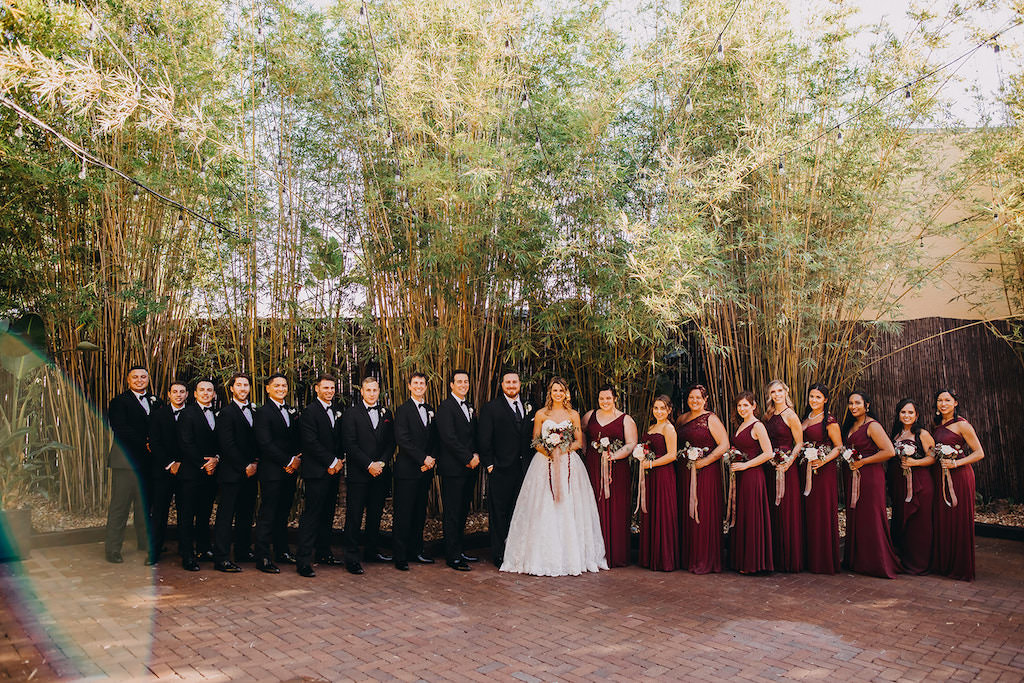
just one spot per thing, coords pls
(786, 434)
(659, 526)
(701, 534)
(613, 509)
(954, 524)
(868, 546)
(821, 503)
(912, 520)
(750, 540)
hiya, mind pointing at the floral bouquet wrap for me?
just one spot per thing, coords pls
(690, 454)
(558, 437)
(810, 455)
(949, 453)
(606, 446)
(850, 456)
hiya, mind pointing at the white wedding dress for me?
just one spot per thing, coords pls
(549, 538)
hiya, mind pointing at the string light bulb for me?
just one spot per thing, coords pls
(362, 13)
(180, 223)
(135, 195)
(839, 135)
(995, 44)
(907, 96)
(525, 103)
(537, 145)
(19, 131)
(720, 53)
(81, 174)
(689, 105)
(398, 177)
(388, 141)
(781, 167)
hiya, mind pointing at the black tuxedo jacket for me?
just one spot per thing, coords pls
(458, 439)
(198, 442)
(277, 442)
(415, 441)
(164, 442)
(364, 444)
(321, 443)
(504, 440)
(130, 424)
(237, 443)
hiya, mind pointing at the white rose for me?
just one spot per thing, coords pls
(605, 442)
(638, 452)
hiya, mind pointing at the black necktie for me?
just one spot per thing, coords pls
(515, 408)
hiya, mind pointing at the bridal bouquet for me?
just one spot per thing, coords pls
(810, 455)
(690, 455)
(558, 437)
(606, 447)
(950, 453)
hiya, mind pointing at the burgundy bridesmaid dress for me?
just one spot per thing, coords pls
(821, 508)
(953, 547)
(659, 526)
(614, 510)
(700, 544)
(868, 545)
(912, 522)
(787, 516)
(750, 541)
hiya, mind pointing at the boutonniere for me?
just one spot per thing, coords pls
(290, 410)
(527, 408)
(430, 416)
(471, 412)
(216, 414)
(337, 414)
(383, 413)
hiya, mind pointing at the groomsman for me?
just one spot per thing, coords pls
(197, 485)
(166, 452)
(277, 437)
(416, 436)
(322, 460)
(129, 462)
(235, 476)
(506, 431)
(457, 461)
(368, 432)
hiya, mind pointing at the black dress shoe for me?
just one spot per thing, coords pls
(226, 566)
(306, 570)
(469, 558)
(246, 557)
(459, 566)
(355, 568)
(402, 566)
(285, 558)
(423, 559)
(190, 565)
(151, 560)
(498, 561)
(204, 556)
(268, 567)
(329, 560)
(115, 557)
(379, 557)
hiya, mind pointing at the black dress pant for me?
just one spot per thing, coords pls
(126, 497)
(231, 524)
(410, 515)
(245, 515)
(360, 496)
(502, 491)
(165, 487)
(317, 519)
(195, 505)
(456, 493)
(276, 499)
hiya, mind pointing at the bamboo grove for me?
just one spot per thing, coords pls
(433, 184)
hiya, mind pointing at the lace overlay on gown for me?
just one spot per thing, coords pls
(548, 538)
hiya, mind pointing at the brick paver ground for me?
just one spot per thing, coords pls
(66, 613)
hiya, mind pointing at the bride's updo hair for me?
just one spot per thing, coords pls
(567, 403)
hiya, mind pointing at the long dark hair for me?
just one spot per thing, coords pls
(937, 418)
(827, 412)
(915, 429)
(848, 420)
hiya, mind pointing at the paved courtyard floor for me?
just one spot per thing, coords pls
(67, 614)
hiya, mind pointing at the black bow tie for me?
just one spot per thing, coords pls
(175, 412)
(373, 408)
(208, 409)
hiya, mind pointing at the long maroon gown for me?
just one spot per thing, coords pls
(750, 541)
(659, 526)
(953, 548)
(700, 543)
(912, 522)
(868, 545)
(821, 507)
(614, 511)
(787, 516)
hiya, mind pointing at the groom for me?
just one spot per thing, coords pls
(506, 428)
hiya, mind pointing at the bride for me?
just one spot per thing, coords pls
(555, 528)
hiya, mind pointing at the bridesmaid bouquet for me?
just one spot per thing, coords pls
(779, 458)
(606, 447)
(690, 455)
(949, 453)
(908, 450)
(732, 455)
(810, 455)
(642, 452)
(851, 456)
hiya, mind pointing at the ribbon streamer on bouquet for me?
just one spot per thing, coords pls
(780, 485)
(606, 473)
(809, 478)
(854, 488)
(641, 491)
(947, 486)
(908, 475)
(730, 517)
(693, 493)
